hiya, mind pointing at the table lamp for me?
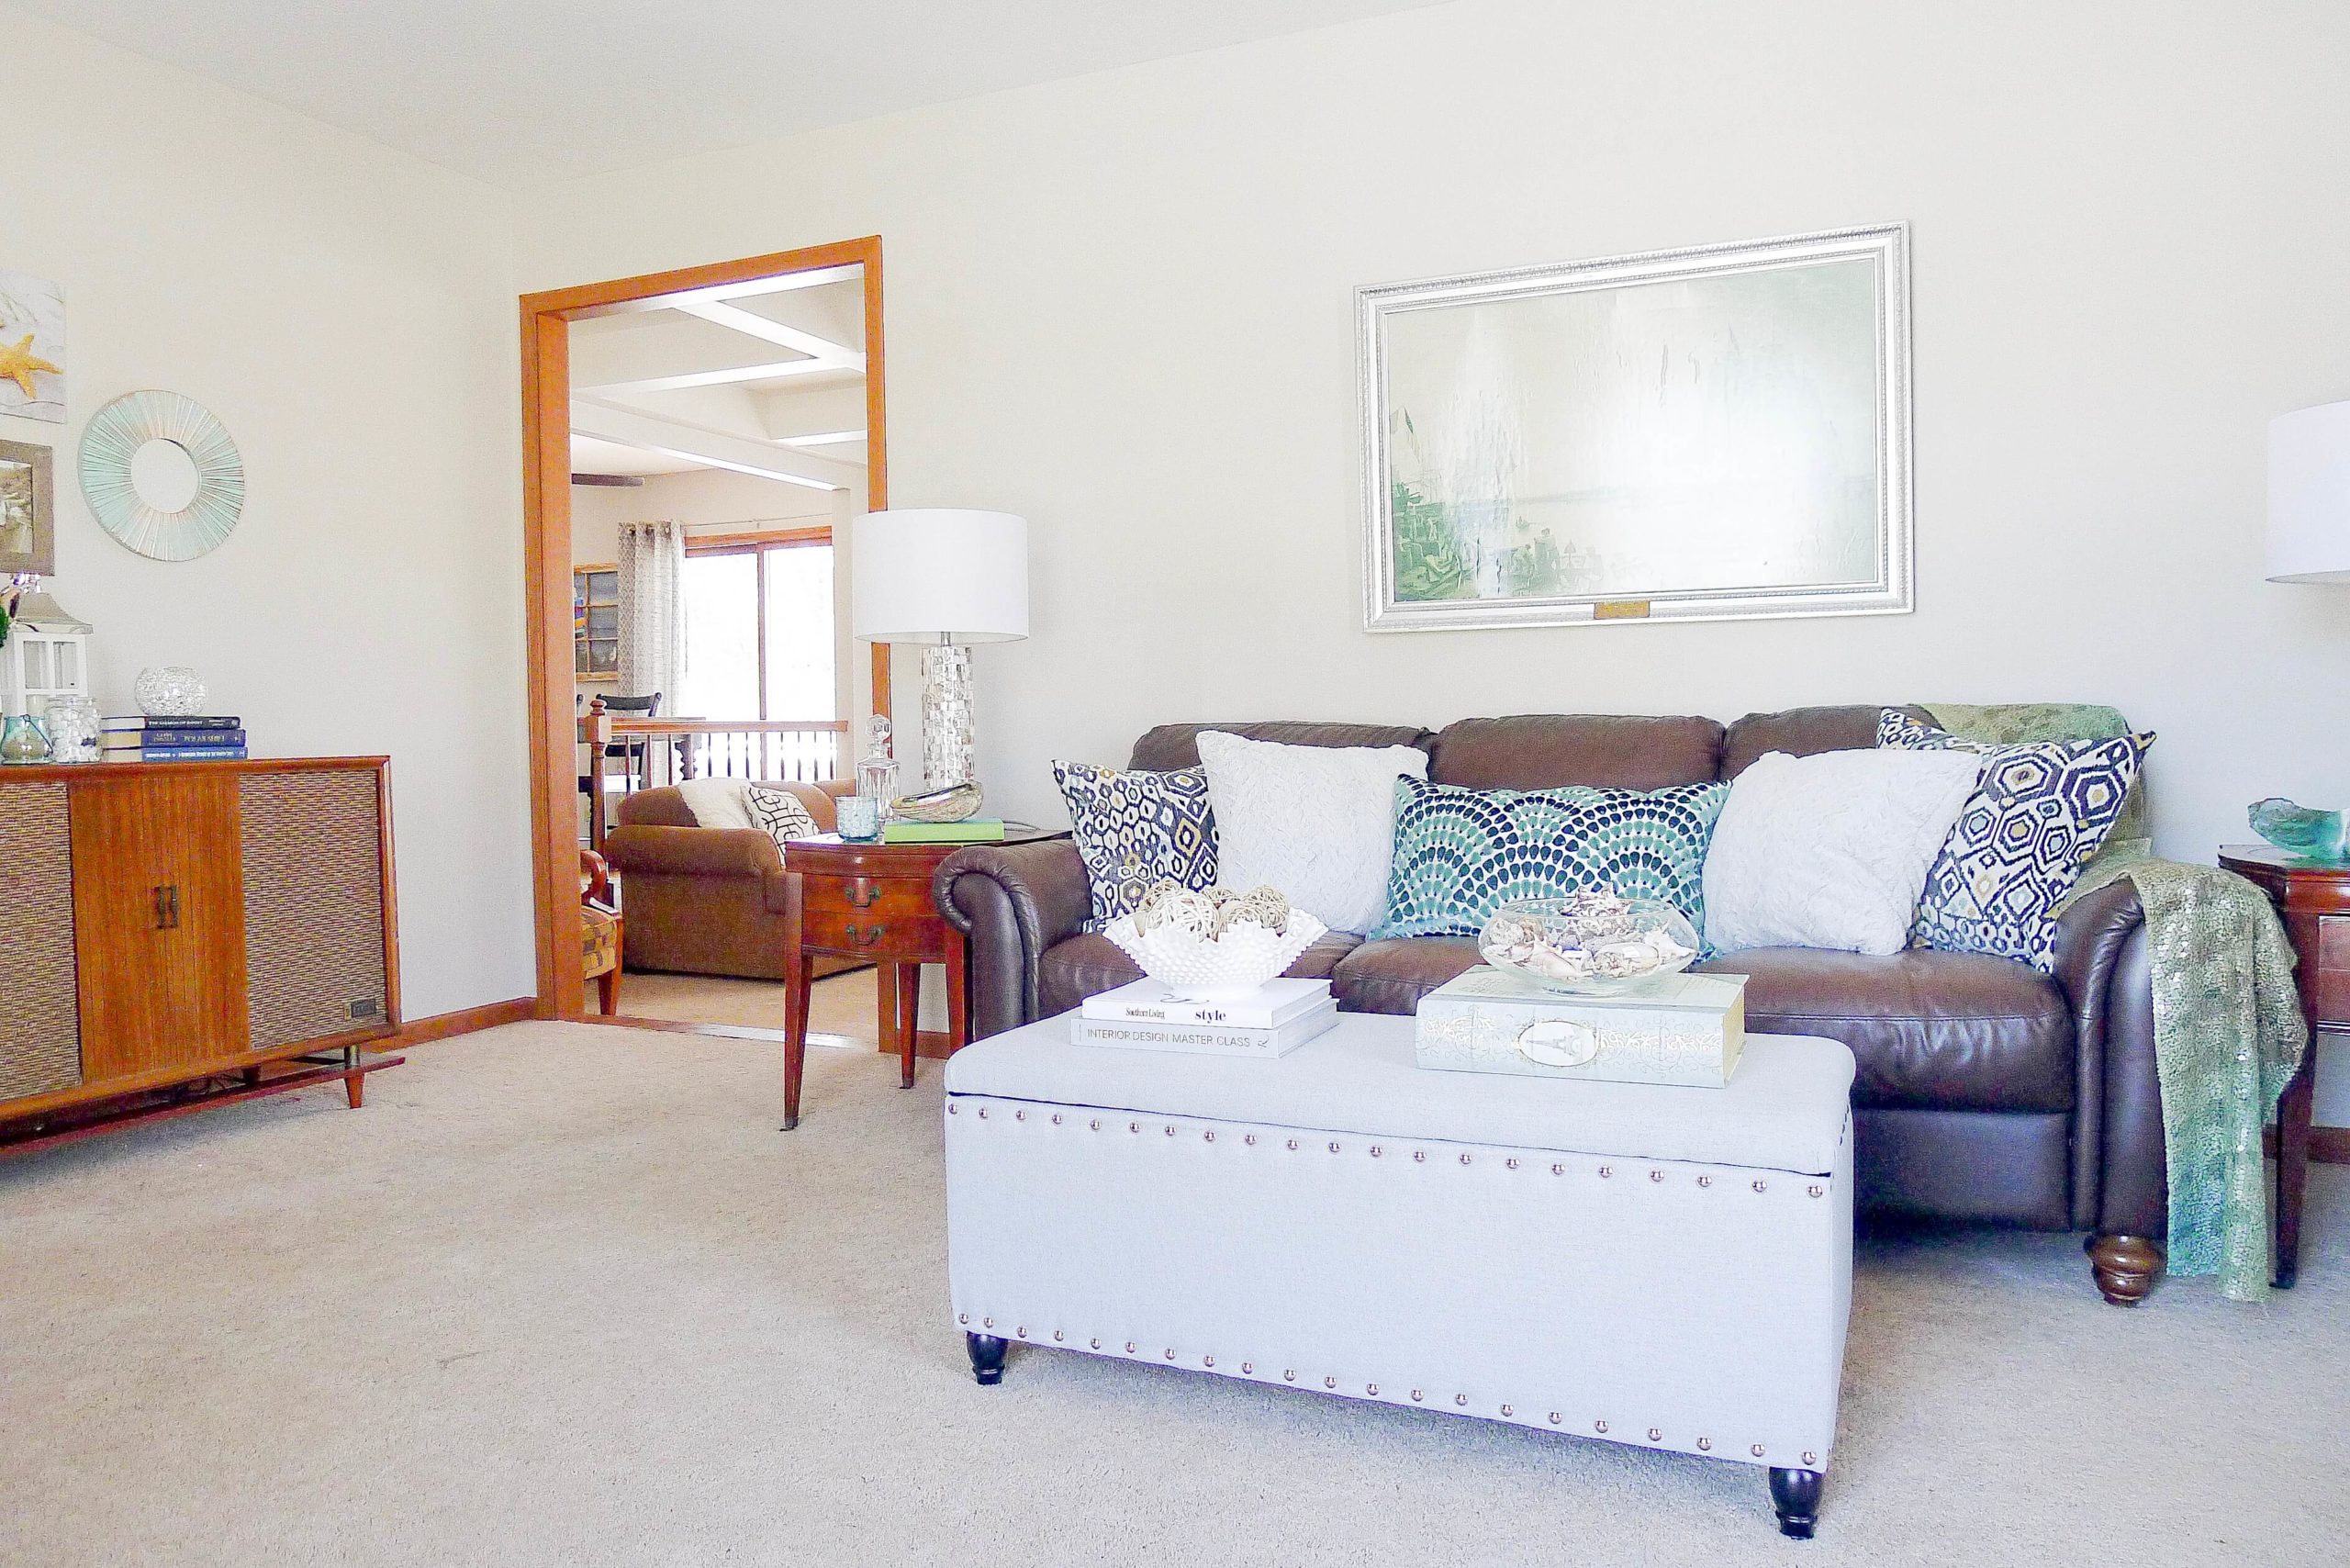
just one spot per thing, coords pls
(2309, 496)
(944, 577)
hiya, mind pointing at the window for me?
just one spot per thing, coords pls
(759, 628)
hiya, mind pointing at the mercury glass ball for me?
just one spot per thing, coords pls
(168, 690)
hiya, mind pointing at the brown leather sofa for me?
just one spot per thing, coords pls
(706, 900)
(1986, 1092)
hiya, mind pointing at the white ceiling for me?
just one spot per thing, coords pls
(514, 91)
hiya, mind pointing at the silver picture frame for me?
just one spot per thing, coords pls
(1739, 376)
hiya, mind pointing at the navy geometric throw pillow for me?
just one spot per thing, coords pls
(1132, 827)
(2038, 815)
(1459, 853)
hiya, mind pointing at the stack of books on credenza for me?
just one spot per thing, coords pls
(1273, 1021)
(171, 737)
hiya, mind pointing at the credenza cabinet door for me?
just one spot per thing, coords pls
(40, 1038)
(314, 904)
(159, 922)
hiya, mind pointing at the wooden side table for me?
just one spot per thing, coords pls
(872, 902)
(2315, 903)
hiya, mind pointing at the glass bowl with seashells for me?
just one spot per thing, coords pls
(1588, 944)
(1213, 945)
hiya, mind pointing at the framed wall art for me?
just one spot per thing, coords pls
(28, 510)
(1688, 435)
(32, 348)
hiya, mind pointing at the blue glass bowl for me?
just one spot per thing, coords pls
(2297, 830)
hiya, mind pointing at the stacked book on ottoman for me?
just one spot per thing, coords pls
(1149, 1016)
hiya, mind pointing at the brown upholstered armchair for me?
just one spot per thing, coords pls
(706, 900)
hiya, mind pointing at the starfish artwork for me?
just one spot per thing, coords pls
(21, 365)
(32, 347)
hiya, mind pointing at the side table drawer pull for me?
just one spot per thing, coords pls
(863, 938)
(863, 891)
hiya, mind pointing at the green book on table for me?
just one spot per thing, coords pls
(974, 830)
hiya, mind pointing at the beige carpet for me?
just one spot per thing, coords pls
(562, 1295)
(842, 1006)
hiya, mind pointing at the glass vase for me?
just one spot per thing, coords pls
(23, 740)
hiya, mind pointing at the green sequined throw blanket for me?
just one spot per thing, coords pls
(2227, 1027)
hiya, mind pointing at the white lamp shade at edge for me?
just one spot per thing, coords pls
(2309, 496)
(938, 575)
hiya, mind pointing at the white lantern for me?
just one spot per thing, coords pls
(47, 656)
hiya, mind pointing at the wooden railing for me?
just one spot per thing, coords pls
(629, 753)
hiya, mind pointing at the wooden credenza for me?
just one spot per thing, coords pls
(168, 924)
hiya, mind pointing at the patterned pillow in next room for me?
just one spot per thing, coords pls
(779, 813)
(1459, 853)
(2037, 815)
(1134, 828)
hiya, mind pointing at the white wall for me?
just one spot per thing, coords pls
(348, 313)
(1120, 306)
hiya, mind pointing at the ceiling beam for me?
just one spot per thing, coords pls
(627, 427)
(815, 277)
(718, 313)
(718, 377)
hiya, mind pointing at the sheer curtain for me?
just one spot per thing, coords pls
(653, 610)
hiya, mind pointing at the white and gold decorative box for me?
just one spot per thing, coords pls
(1682, 1029)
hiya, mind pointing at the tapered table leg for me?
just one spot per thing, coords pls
(795, 1037)
(908, 1021)
(2294, 1110)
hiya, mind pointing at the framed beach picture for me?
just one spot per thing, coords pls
(32, 348)
(1685, 435)
(27, 522)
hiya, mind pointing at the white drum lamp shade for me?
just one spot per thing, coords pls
(939, 575)
(944, 577)
(2309, 496)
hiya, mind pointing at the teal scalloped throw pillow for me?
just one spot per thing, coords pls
(1459, 853)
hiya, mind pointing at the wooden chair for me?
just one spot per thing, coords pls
(599, 931)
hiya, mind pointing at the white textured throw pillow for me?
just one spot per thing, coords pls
(1316, 822)
(1829, 850)
(718, 803)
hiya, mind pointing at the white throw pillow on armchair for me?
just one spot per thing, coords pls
(1829, 850)
(1316, 822)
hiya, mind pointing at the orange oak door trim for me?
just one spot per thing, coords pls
(159, 922)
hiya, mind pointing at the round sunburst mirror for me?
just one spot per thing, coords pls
(162, 474)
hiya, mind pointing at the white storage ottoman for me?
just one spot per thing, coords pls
(1663, 1267)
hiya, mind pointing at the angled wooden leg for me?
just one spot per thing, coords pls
(987, 1358)
(795, 1037)
(354, 1089)
(2294, 1112)
(1795, 1494)
(908, 1021)
(959, 991)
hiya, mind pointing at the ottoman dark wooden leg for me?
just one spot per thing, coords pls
(987, 1358)
(1796, 1495)
(2125, 1267)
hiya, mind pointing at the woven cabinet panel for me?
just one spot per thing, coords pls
(313, 904)
(40, 1032)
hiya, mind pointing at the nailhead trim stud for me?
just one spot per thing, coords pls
(962, 1317)
(1171, 1353)
(1464, 1159)
(1057, 1336)
(1334, 1148)
(1816, 1190)
(1372, 1389)
(1605, 1171)
(1512, 1164)
(1056, 1118)
(1705, 1445)
(1415, 1397)
(1756, 1451)
(1460, 1399)
(1293, 1144)
(1655, 1435)
(1760, 1187)
(1558, 1170)
(1419, 1157)
(1097, 1344)
(1020, 1333)
(1247, 1369)
(1018, 1116)
(953, 1108)
(1096, 1124)
(1170, 1132)
(1811, 1459)
(1595, 1426)
(987, 1322)
(1207, 1361)
(1656, 1175)
(983, 1112)
(1508, 1411)
(1130, 1347)
(1290, 1376)
(1374, 1151)
(1209, 1136)
(1249, 1138)
(1330, 1383)
(1705, 1181)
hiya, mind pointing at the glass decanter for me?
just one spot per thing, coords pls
(876, 775)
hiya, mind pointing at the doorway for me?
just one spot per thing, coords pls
(625, 425)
